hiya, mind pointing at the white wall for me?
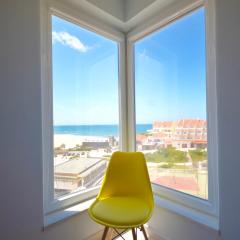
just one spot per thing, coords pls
(21, 214)
(75, 228)
(20, 121)
(171, 226)
(228, 80)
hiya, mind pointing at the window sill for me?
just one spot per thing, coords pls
(197, 216)
(63, 214)
(161, 202)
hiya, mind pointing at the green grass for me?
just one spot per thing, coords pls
(198, 155)
(169, 155)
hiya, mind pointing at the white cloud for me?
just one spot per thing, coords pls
(67, 39)
(143, 55)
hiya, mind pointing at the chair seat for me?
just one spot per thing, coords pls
(120, 212)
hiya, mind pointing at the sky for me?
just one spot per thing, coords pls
(85, 76)
(170, 80)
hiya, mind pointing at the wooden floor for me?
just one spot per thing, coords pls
(127, 235)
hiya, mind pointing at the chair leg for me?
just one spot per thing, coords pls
(105, 233)
(134, 234)
(144, 232)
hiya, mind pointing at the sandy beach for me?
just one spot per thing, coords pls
(72, 140)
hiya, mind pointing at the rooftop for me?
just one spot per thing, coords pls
(76, 166)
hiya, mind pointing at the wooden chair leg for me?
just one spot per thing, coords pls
(105, 233)
(111, 234)
(134, 234)
(144, 232)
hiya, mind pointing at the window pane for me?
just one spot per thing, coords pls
(171, 126)
(85, 106)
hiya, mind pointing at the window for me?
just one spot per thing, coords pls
(84, 117)
(170, 95)
(165, 108)
(85, 106)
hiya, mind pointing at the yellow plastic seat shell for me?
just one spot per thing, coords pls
(121, 212)
(125, 199)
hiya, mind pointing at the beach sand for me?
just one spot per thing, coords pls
(71, 141)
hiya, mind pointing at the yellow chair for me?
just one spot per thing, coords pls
(125, 200)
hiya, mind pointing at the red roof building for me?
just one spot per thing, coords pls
(184, 133)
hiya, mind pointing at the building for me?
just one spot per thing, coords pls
(78, 174)
(95, 145)
(181, 134)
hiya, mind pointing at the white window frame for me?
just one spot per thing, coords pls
(49, 9)
(203, 211)
(199, 210)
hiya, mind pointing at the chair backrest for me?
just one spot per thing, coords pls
(127, 175)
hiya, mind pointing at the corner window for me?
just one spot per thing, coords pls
(170, 96)
(151, 90)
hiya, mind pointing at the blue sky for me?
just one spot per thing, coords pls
(85, 76)
(170, 71)
(170, 74)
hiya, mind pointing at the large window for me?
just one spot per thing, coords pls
(170, 95)
(151, 90)
(85, 106)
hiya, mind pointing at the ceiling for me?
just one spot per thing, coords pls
(124, 14)
(124, 10)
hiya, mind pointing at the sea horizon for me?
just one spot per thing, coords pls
(97, 129)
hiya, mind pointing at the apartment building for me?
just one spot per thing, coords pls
(184, 133)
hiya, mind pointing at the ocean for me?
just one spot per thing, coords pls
(97, 130)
